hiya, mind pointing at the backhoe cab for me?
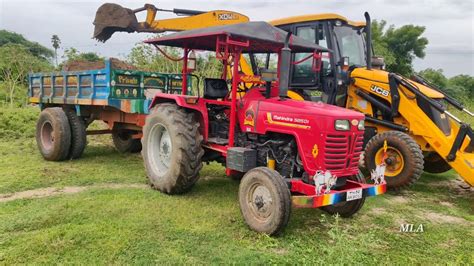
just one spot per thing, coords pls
(287, 152)
(410, 114)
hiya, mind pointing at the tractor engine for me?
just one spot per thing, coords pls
(279, 148)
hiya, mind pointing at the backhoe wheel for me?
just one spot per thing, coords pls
(78, 135)
(404, 162)
(348, 208)
(265, 200)
(124, 142)
(172, 149)
(53, 134)
(435, 164)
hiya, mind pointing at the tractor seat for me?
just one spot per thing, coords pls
(215, 88)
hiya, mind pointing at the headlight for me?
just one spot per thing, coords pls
(342, 125)
(361, 125)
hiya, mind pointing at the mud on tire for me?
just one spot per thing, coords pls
(124, 143)
(411, 156)
(78, 134)
(53, 134)
(265, 200)
(172, 149)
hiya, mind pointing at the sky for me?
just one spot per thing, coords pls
(449, 23)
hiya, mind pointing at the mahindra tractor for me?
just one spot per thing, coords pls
(288, 153)
(411, 115)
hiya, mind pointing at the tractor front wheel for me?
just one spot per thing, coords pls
(172, 149)
(348, 208)
(265, 200)
(404, 158)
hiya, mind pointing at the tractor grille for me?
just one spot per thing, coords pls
(342, 151)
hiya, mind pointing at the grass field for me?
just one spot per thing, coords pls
(98, 210)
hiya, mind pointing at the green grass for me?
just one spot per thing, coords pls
(139, 225)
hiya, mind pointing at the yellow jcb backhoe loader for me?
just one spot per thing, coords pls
(410, 114)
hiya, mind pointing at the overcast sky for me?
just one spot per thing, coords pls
(449, 23)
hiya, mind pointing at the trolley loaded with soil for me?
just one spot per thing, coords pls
(111, 91)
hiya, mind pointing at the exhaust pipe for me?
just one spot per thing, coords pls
(368, 36)
(285, 62)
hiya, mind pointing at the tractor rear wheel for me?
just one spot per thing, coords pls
(404, 162)
(78, 134)
(435, 164)
(53, 134)
(125, 143)
(172, 149)
(348, 208)
(265, 200)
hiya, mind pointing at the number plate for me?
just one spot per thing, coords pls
(354, 194)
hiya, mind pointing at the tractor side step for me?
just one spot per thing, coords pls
(218, 140)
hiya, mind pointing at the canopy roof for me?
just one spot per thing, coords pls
(262, 38)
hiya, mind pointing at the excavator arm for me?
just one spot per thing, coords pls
(111, 18)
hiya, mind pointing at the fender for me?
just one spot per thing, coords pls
(198, 108)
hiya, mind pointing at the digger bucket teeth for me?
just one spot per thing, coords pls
(111, 18)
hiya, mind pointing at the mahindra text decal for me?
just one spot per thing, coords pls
(379, 90)
(288, 121)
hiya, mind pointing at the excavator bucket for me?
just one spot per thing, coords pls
(111, 18)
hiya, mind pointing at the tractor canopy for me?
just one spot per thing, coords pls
(255, 37)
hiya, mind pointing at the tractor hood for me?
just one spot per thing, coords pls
(318, 109)
(381, 76)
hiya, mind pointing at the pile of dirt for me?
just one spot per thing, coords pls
(88, 65)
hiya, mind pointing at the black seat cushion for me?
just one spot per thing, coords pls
(215, 88)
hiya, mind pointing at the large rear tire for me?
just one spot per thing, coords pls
(348, 208)
(404, 162)
(172, 149)
(265, 200)
(78, 135)
(53, 134)
(435, 164)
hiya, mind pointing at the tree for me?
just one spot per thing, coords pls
(435, 76)
(72, 54)
(36, 49)
(460, 86)
(15, 63)
(399, 46)
(55, 41)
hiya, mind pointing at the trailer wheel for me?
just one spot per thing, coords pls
(348, 208)
(53, 134)
(435, 164)
(404, 162)
(124, 142)
(172, 149)
(265, 200)
(78, 134)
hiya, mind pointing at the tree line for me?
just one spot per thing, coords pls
(19, 56)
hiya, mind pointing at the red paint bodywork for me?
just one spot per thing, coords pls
(320, 145)
(319, 118)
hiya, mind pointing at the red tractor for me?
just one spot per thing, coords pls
(287, 152)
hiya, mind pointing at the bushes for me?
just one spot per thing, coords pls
(18, 122)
